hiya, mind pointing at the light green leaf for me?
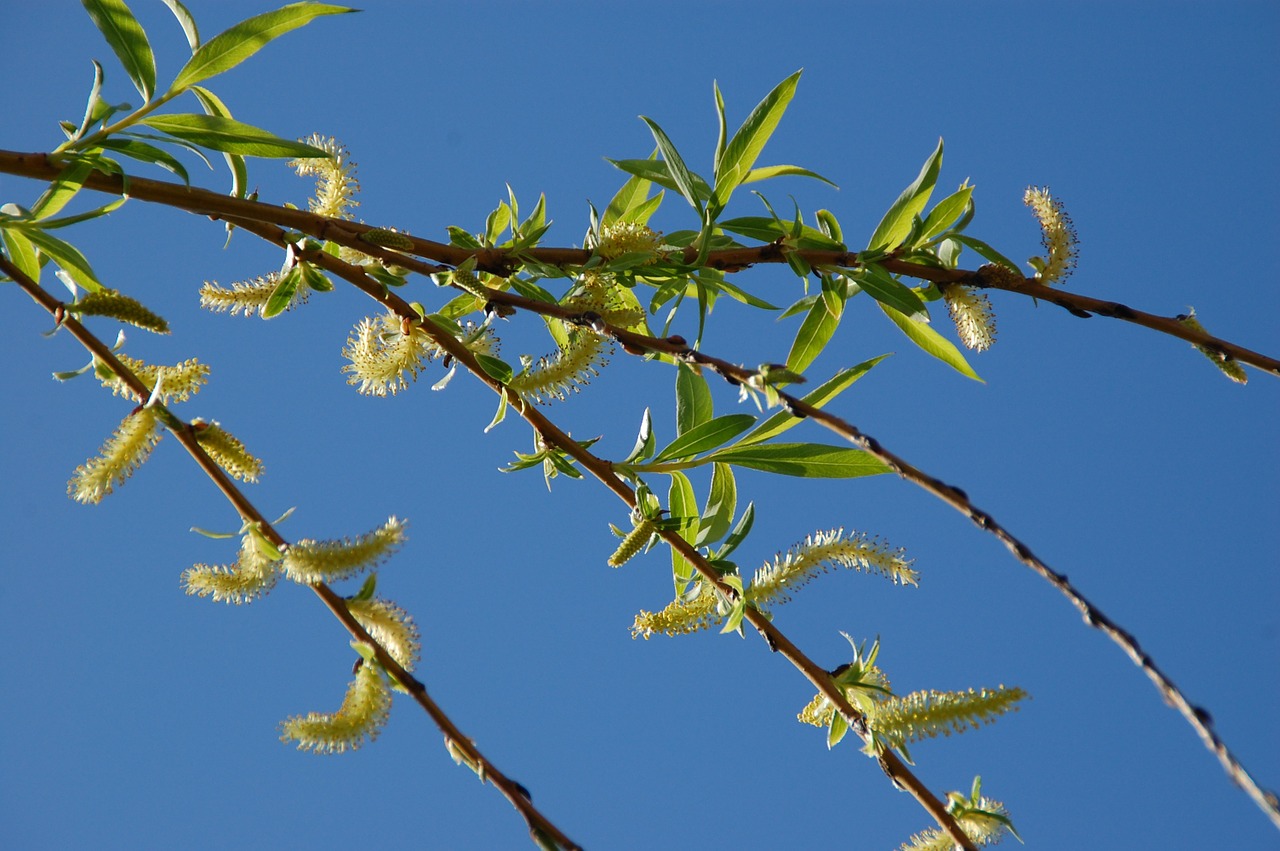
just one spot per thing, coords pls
(148, 153)
(633, 193)
(693, 399)
(656, 172)
(818, 397)
(886, 289)
(708, 435)
(733, 164)
(229, 136)
(63, 188)
(986, 251)
(946, 212)
(931, 341)
(21, 252)
(644, 440)
(806, 460)
(722, 502)
(228, 49)
(186, 21)
(213, 105)
(837, 729)
(682, 505)
(282, 296)
(67, 256)
(896, 223)
(127, 39)
(676, 169)
(814, 334)
(495, 368)
(768, 229)
(739, 533)
(770, 171)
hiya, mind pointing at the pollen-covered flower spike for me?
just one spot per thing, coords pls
(381, 351)
(982, 819)
(227, 451)
(390, 626)
(565, 371)
(336, 183)
(1057, 234)
(180, 381)
(123, 453)
(926, 714)
(359, 720)
(125, 308)
(622, 238)
(248, 297)
(695, 610)
(775, 581)
(251, 577)
(971, 312)
(308, 561)
(1230, 367)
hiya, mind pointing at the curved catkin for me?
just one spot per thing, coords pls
(129, 445)
(113, 304)
(1057, 233)
(336, 183)
(972, 314)
(359, 720)
(557, 375)
(309, 561)
(633, 543)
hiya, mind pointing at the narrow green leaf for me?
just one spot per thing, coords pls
(896, 223)
(644, 447)
(213, 105)
(708, 435)
(67, 256)
(837, 729)
(148, 153)
(739, 532)
(931, 342)
(722, 503)
(946, 212)
(733, 164)
(986, 251)
(62, 189)
(886, 289)
(630, 195)
(96, 212)
(282, 295)
(693, 399)
(186, 21)
(682, 505)
(495, 368)
(770, 171)
(814, 334)
(818, 397)
(678, 171)
(806, 460)
(228, 49)
(128, 40)
(229, 136)
(21, 252)
(656, 172)
(768, 229)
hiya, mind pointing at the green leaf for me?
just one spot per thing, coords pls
(229, 136)
(818, 397)
(768, 229)
(67, 256)
(644, 440)
(739, 533)
(932, 342)
(282, 295)
(656, 172)
(693, 399)
(148, 153)
(771, 171)
(678, 171)
(740, 154)
(814, 334)
(806, 460)
(887, 289)
(62, 189)
(837, 729)
(127, 38)
(495, 368)
(228, 49)
(213, 105)
(946, 212)
(21, 252)
(896, 223)
(986, 251)
(186, 21)
(708, 435)
(722, 502)
(722, 136)
(633, 193)
(682, 505)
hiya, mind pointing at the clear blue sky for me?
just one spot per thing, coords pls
(136, 717)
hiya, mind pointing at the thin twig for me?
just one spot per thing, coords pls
(511, 790)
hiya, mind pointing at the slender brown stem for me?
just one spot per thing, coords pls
(47, 167)
(511, 790)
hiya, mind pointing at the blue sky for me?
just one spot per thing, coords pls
(137, 717)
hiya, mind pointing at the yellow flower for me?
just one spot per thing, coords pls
(1057, 234)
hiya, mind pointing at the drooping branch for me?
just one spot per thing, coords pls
(499, 261)
(185, 434)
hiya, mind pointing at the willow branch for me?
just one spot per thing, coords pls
(500, 261)
(510, 789)
(898, 772)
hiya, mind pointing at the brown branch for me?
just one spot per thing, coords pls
(499, 261)
(511, 790)
(552, 435)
